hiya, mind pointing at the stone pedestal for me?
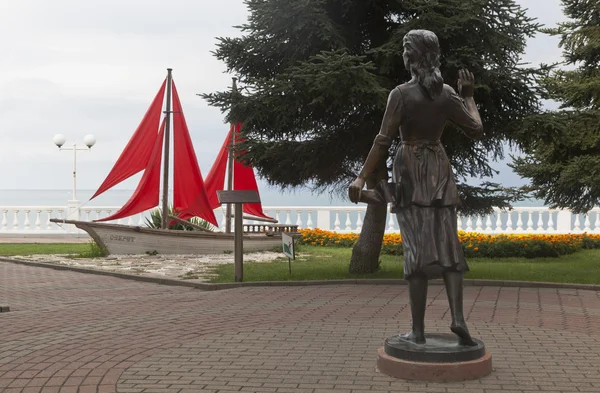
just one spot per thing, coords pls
(440, 359)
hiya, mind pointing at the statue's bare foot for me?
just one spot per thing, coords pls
(464, 337)
(417, 338)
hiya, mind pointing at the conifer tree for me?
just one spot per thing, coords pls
(316, 75)
(563, 161)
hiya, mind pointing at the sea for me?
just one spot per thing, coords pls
(117, 197)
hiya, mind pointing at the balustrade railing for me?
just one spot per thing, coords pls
(32, 220)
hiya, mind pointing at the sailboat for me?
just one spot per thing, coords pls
(148, 147)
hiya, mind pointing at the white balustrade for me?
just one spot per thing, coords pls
(344, 219)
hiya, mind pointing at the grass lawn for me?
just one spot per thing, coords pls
(319, 263)
(78, 249)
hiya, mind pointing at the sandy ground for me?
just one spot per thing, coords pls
(189, 267)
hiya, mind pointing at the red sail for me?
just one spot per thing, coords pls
(145, 195)
(215, 180)
(188, 187)
(136, 154)
(244, 179)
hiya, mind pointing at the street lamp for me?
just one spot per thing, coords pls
(89, 140)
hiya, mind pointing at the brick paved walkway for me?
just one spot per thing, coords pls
(73, 332)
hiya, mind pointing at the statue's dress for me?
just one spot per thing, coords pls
(426, 195)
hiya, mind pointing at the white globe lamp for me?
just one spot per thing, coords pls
(59, 140)
(89, 140)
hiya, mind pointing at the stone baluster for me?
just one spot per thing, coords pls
(530, 221)
(27, 224)
(38, 222)
(299, 218)
(469, 224)
(498, 222)
(288, 219)
(597, 222)
(348, 222)
(550, 222)
(309, 222)
(391, 224)
(478, 227)
(4, 220)
(519, 222)
(577, 228)
(336, 223)
(487, 223)
(223, 220)
(588, 225)
(49, 226)
(359, 221)
(540, 228)
(509, 223)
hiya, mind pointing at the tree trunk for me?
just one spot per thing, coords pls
(365, 254)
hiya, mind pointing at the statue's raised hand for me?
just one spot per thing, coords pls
(466, 83)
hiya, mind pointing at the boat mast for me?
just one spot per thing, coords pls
(230, 168)
(165, 196)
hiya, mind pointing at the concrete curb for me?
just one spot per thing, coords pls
(362, 281)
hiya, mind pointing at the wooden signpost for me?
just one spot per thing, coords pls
(238, 198)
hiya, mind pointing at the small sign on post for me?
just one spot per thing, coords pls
(238, 198)
(289, 248)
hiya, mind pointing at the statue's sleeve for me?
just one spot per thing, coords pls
(390, 124)
(460, 115)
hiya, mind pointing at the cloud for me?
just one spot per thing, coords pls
(76, 67)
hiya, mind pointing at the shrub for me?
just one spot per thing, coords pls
(155, 221)
(474, 244)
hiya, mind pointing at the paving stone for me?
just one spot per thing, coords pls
(79, 332)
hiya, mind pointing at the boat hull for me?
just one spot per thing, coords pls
(128, 240)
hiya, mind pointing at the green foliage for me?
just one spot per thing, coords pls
(155, 221)
(316, 75)
(10, 249)
(563, 160)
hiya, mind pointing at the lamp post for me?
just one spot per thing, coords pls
(89, 140)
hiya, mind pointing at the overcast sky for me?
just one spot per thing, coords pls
(87, 66)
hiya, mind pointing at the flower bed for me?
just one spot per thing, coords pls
(474, 244)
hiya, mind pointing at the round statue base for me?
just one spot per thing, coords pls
(440, 359)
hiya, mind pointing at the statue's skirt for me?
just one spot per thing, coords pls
(425, 204)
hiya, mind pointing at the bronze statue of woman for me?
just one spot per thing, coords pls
(426, 197)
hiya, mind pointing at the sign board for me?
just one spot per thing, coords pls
(288, 245)
(238, 196)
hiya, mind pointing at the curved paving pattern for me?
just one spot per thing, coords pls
(317, 356)
(73, 332)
